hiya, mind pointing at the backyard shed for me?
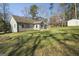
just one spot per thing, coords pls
(73, 22)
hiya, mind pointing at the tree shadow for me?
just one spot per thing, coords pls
(34, 47)
(75, 52)
(27, 51)
(76, 36)
(21, 41)
(19, 44)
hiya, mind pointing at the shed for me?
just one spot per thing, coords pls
(73, 22)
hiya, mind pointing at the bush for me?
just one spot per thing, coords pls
(4, 27)
(1, 24)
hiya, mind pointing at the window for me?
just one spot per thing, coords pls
(36, 26)
(14, 25)
(22, 25)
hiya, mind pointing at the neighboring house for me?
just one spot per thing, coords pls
(19, 23)
(73, 22)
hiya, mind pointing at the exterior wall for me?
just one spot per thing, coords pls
(28, 26)
(19, 27)
(36, 26)
(73, 23)
(15, 27)
(13, 24)
(40, 26)
(23, 27)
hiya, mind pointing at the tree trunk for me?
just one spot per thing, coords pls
(75, 10)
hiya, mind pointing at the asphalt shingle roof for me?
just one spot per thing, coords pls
(21, 19)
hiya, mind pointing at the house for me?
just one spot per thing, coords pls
(73, 22)
(19, 23)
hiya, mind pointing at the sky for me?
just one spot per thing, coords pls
(18, 9)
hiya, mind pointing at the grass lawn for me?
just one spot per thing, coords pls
(56, 41)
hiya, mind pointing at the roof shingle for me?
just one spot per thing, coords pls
(21, 19)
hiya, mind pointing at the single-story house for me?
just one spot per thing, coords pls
(19, 23)
(73, 22)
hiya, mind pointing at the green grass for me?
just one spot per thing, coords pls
(56, 41)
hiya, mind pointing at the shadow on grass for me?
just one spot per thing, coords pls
(21, 41)
(70, 48)
(76, 36)
(26, 51)
(36, 43)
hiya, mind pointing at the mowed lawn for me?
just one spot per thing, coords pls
(57, 41)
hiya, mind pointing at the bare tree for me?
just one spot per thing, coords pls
(4, 11)
(4, 7)
(25, 12)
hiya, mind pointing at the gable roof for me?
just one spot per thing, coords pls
(73, 20)
(21, 19)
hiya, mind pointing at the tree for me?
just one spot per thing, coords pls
(72, 10)
(34, 11)
(4, 11)
(75, 10)
(77, 7)
(4, 8)
(63, 14)
(51, 7)
(25, 12)
(1, 24)
(51, 12)
(56, 20)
